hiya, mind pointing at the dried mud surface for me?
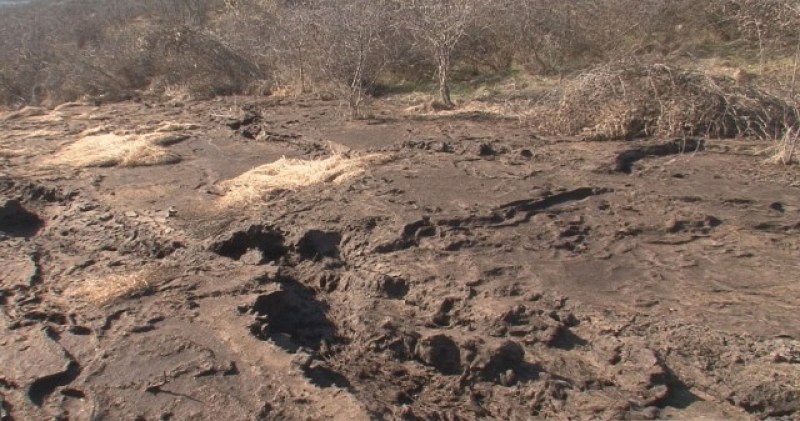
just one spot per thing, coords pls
(479, 272)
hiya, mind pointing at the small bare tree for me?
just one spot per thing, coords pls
(439, 25)
(771, 23)
(293, 39)
(349, 43)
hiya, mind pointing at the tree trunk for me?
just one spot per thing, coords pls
(357, 86)
(444, 79)
(302, 78)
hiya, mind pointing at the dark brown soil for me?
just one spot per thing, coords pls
(483, 272)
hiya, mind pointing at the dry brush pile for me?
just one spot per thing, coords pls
(626, 100)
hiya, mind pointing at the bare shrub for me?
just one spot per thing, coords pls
(625, 100)
(109, 50)
(770, 24)
(439, 25)
(199, 62)
(349, 38)
(292, 45)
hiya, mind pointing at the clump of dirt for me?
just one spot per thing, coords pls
(627, 100)
(12, 153)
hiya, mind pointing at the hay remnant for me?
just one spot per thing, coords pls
(784, 151)
(24, 113)
(108, 150)
(13, 153)
(294, 174)
(171, 126)
(110, 288)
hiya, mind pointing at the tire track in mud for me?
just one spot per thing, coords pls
(43, 387)
(625, 160)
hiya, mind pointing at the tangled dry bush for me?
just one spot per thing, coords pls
(626, 100)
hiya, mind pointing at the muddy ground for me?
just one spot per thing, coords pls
(479, 272)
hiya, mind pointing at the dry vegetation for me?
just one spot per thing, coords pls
(107, 289)
(12, 153)
(108, 150)
(719, 68)
(24, 112)
(628, 100)
(293, 174)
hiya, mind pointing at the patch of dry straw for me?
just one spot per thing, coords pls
(784, 151)
(294, 174)
(108, 150)
(12, 153)
(22, 135)
(107, 289)
(23, 113)
(172, 126)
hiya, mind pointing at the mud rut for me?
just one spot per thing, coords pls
(470, 277)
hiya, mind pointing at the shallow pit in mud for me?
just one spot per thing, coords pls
(266, 241)
(316, 244)
(291, 317)
(17, 221)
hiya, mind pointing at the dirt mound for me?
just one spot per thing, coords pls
(627, 99)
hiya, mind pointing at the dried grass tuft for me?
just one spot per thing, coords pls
(107, 150)
(784, 151)
(12, 153)
(24, 113)
(95, 131)
(294, 174)
(147, 154)
(171, 126)
(107, 289)
(627, 99)
(68, 105)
